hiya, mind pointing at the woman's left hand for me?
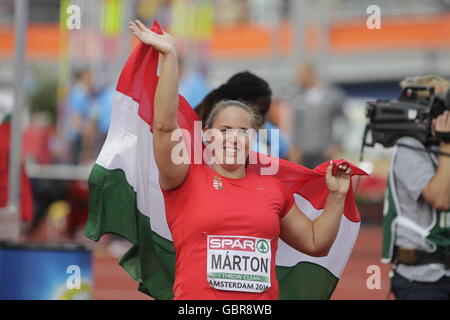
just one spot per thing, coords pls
(340, 182)
(164, 43)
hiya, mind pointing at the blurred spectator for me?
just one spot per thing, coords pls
(26, 201)
(37, 139)
(78, 127)
(193, 85)
(103, 109)
(37, 148)
(316, 110)
(81, 121)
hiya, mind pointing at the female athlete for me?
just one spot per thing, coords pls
(225, 220)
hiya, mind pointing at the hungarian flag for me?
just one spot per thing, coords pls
(26, 198)
(126, 200)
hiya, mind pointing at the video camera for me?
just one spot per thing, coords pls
(410, 115)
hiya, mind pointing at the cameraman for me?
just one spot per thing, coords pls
(417, 211)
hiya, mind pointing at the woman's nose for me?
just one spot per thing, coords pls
(231, 135)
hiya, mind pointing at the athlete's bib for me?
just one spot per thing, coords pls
(238, 263)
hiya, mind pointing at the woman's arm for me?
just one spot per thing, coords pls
(165, 123)
(315, 238)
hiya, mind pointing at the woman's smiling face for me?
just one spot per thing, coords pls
(230, 136)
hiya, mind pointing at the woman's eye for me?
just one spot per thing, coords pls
(240, 132)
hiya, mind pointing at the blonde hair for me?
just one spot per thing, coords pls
(221, 105)
(436, 82)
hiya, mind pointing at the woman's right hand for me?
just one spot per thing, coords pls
(164, 43)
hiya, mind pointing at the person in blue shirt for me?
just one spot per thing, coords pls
(193, 86)
(273, 136)
(78, 114)
(103, 109)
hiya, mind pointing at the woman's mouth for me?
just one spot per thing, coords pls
(231, 150)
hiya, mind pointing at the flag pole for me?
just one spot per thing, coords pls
(12, 216)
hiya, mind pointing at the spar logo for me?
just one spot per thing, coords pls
(262, 246)
(231, 243)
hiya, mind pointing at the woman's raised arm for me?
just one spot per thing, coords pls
(165, 123)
